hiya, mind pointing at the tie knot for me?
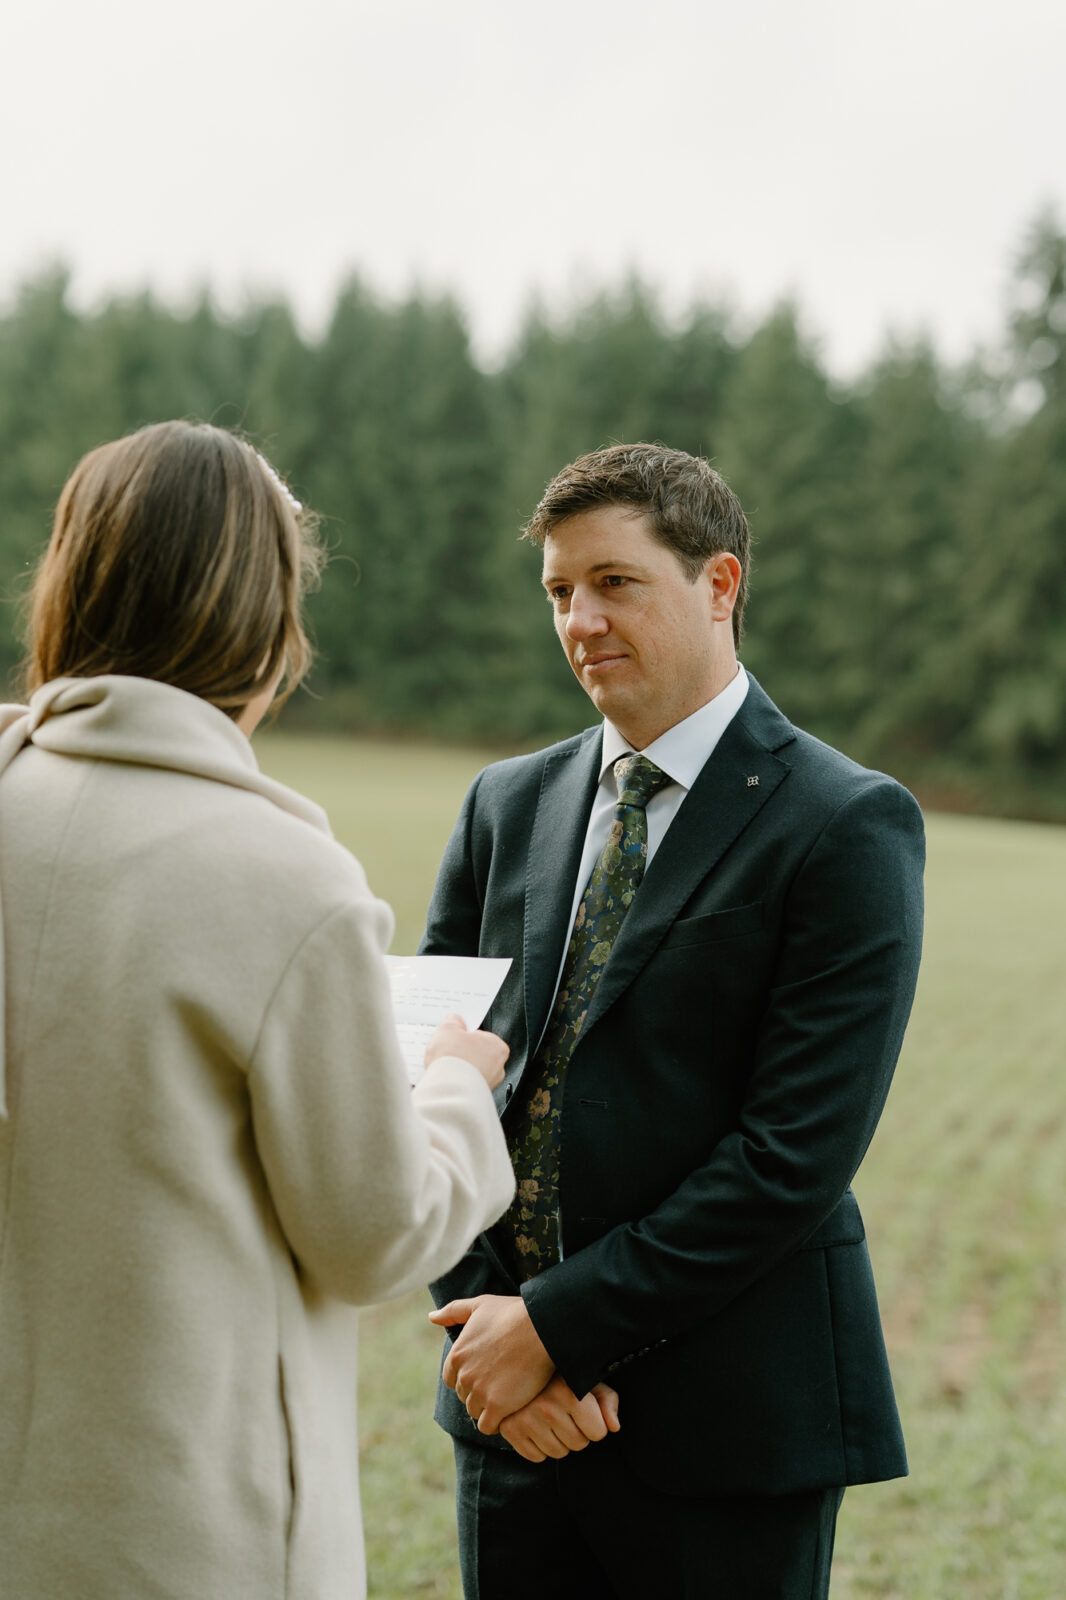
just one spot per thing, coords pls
(638, 779)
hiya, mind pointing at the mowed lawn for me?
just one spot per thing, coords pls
(963, 1194)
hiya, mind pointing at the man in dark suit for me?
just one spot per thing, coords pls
(667, 1359)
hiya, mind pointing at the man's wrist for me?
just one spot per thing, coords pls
(539, 1302)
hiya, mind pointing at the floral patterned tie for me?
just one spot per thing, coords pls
(532, 1223)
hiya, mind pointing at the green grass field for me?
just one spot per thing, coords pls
(963, 1195)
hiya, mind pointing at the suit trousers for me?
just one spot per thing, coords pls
(587, 1528)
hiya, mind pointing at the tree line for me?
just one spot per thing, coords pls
(909, 591)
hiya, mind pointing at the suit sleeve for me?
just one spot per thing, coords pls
(453, 921)
(826, 1049)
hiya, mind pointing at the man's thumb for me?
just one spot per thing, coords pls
(608, 1403)
(454, 1312)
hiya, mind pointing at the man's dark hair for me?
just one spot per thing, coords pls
(691, 509)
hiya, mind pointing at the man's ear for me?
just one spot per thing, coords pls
(723, 573)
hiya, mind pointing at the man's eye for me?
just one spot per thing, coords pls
(557, 594)
(614, 580)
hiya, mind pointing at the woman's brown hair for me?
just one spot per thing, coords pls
(177, 554)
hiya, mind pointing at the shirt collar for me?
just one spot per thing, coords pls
(683, 750)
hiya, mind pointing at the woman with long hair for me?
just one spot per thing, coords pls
(209, 1153)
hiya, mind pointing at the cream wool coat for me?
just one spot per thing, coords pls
(209, 1155)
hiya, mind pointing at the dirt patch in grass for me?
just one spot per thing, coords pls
(962, 1356)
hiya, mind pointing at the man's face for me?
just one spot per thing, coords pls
(647, 646)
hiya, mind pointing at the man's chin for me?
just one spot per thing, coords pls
(610, 703)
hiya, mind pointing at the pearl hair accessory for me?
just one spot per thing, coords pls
(297, 505)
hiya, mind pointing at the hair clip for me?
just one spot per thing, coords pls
(297, 505)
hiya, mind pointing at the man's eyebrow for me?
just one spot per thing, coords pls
(548, 578)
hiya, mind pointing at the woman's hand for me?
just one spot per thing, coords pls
(485, 1051)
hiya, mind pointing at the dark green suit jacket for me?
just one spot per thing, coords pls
(725, 1086)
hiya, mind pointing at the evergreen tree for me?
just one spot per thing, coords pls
(702, 362)
(788, 447)
(46, 422)
(404, 474)
(1012, 657)
(910, 530)
(895, 599)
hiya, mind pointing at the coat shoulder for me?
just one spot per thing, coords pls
(832, 797)
(838, 778)
(219, 830)
(821, 778)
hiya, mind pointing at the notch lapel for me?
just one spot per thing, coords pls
(719, 806)
(556, 842)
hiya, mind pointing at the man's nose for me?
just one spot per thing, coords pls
(585, 618)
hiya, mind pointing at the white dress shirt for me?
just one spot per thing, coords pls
(681, 752)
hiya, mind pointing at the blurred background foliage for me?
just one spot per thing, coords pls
(909, 596)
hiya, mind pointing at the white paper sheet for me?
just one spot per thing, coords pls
(426, 988)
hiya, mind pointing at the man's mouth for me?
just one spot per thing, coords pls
(600, 661)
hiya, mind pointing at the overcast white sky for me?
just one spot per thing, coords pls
(879, 159)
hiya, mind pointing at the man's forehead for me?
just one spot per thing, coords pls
(592, 541)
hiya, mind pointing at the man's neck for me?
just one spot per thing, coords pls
(641, 735)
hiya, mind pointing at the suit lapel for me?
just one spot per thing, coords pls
(734, 785)
(556, 843)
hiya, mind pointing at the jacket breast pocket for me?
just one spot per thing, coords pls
(715, 926)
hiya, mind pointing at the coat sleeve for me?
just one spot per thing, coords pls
(377, 1187)
(826, 1048)
(453, 921)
